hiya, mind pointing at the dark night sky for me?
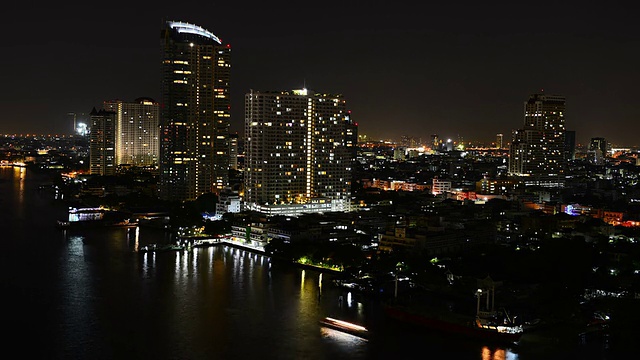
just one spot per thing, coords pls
(405, 67)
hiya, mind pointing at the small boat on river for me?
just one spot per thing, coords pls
(161, 247)
(346, 327)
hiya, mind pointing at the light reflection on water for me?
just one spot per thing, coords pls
(342, 339)
(497, 354)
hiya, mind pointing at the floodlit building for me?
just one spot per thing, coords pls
(136, 131)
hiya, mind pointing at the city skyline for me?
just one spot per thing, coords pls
(458, 71)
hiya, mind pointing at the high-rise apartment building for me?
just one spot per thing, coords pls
(102, 138)
(296, 158)
(195, 112)
(136, 131)
(351, 137)
(537, 151)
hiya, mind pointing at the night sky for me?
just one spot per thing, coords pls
(405, 67)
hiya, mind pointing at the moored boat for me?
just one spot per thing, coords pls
(434, 311)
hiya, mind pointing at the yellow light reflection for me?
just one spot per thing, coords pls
(497, 354)
(19, 174)
(136, 239)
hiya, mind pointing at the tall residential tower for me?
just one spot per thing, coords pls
(102, 139)
(136, 131)
(296, 154)
(537, 151)
(195, 112)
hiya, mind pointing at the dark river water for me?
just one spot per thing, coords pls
(88, 294)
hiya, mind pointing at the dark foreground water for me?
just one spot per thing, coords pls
(87, 294)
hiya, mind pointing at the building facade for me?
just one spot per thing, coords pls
(296, 156)
(234, 148)
(137, 131)
(351, 138)
(102, 138)
(537, 151)
(570, 144)
(195, 112)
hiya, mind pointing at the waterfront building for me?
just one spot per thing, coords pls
(537, 151)
(195, 112)
(102, 156)
(136, 131)
(433, 241)
(296, 158)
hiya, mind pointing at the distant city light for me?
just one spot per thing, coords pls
(82, 129)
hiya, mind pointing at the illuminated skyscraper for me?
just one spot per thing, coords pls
(296, 154)
(102, 154)
(537, 152)
(195, 112)
(136, 131)
(499, 141)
